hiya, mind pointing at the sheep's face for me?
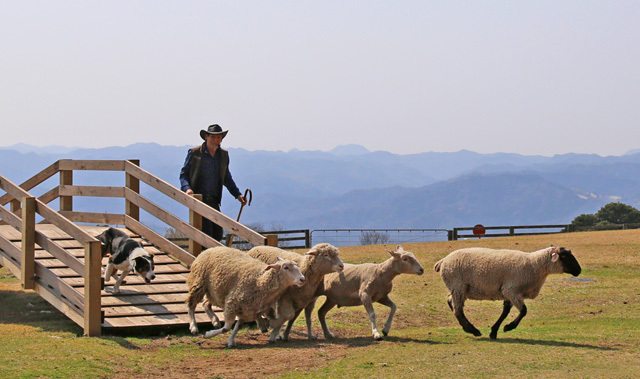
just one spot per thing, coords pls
(569, 263)
(289, 269)
(407, 261)
(326, 256)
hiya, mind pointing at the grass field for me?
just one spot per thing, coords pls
(577, 329)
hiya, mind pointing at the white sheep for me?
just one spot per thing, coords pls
(509, 275)
(242, 286)
(364, 284)
(314, 264)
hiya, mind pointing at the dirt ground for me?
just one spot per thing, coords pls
(265, 359)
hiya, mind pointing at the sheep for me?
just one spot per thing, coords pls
(242, 286)
(364, 284)
(508, 275)
(314, 264)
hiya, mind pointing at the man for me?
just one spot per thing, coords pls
(205, 171)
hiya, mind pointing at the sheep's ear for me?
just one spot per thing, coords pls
(399, 248)
(554, 257)
(393, 253)
(311, 252)
(273, 266)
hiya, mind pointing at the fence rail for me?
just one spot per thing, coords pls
(347, 237)
(511, 231)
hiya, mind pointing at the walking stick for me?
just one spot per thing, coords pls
(248, 195)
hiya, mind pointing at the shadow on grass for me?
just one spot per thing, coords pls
(28, 308)
(548, 343)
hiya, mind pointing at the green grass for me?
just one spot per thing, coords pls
(573, 329)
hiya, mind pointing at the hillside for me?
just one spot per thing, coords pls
(351, 187)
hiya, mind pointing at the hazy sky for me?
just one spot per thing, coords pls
(530, 77)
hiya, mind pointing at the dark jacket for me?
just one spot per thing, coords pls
(190, 173)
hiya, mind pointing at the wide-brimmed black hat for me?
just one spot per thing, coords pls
(213, 129)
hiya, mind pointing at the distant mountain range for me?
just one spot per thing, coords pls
(351, 187)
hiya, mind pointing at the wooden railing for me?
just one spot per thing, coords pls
(24, 207)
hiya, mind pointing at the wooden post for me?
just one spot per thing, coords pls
(66, 179)
(272, 240)
(307, 239)
(15, 206)
(28, 243)
(195, 220)
(92, 289)
(133, 184)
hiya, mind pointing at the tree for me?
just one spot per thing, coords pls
(374, 238)
(618, 213)
(585, 220)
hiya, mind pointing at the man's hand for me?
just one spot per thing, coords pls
(242, 200)
(189, 191)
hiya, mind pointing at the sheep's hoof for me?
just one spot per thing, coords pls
(194, 331)
(312, 337)
(509, 327)
(493, 335)
(378, 337)
(385, 333)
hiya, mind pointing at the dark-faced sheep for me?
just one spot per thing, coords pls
(508, 275)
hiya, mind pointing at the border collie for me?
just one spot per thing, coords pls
(127, 255)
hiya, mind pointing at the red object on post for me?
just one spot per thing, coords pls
(478, 230)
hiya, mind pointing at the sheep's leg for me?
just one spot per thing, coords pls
(231, 342)
(322, 313)
(389, 303)
(228, 321)
(308, 310)
(287, 330)
(505, 312)
(193, 299)
(284, 312)
(368, 306)
(215, 321)
(519, 304)
(458, 311)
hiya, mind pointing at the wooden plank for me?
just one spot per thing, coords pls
(133, 185)
(146, 310)
(31, 182)
(91, 191)
(11, 250)
(156, 239)
(157, 321)
(66, 178)
(28, 243)
(170, 219)
(206, 211)
(72, 296)
(95, 165)
(92, 289)
(53, 298)
(143, 299)
(94, 217)
(49, 196)
(64, 224)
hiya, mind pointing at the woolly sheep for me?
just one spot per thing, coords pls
(364, 284)
(509, 275)
(242, 286)
(314, 264)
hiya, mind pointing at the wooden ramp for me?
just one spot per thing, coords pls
(59, 257)
(160, 304)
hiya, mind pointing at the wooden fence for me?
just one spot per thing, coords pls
(454, 234)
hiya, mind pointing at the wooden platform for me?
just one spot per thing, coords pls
(159, 305)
